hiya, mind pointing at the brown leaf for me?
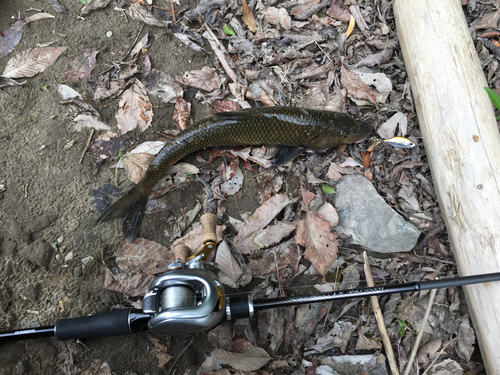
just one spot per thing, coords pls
(97, 367)
(11, 37)
(224, 105)
(159, 350)
(247, 16)
(321, 245)
(160, 84)
(204, 79)
(227, 264)
(251, 360)
(30, 62)
(367, 158)
(81, 65)
(93, 5)
(269, 236)
(141, 13)
(428, 352)
(135, 109)
(143, 256)
(398, 122)
(127, 283)
(278, 17)
(136, 165)
(182, 111)
(364, 343)
(356, 87)
(338, 13)
(489, 20)
(302, 7)
(263, 216)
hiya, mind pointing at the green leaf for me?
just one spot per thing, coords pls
(228, 29)
(84, 2)
(45, 87)
(328, 189)
(494, 97)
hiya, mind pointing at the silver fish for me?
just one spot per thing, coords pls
(400, 142)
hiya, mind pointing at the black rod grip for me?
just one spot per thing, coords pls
(112, 323)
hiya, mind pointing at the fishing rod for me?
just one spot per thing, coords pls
(189, 298)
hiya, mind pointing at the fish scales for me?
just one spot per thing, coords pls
(276, 126)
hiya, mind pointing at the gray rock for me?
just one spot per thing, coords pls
(366, 217)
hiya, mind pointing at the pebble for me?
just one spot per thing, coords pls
(109, 34)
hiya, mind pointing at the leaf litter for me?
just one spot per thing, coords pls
(285, 67)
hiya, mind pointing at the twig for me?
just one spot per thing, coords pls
(173, 11)
(87, 146)
(440, 352)
(380, 320)
(180, 355)
(420, 334)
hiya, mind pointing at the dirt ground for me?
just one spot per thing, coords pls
(52, 255)
(45, 211)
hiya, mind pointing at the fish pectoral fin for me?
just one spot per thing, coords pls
(285, 154)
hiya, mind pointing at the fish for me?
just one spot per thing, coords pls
(269, 126)
(400, 142)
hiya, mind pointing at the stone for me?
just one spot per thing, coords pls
(371, 223)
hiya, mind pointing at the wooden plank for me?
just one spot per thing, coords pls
(462, 142)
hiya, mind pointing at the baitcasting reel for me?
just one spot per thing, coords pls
(188, 298)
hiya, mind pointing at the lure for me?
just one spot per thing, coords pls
(400, 142)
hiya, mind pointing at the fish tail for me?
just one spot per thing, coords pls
(130, 208)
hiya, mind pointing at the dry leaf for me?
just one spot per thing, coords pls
(144, 256)
(364, 343)
(141, 13)
(133, 285)
(11, 37)
(107, 145)
(182, 111)
(398, 121)
(302, 7)
(38, 16)
(233, 184)
(159, 350)
(338, 13)
(314, 234)
(428, 352)
(375, 59)
(135, 109)
(266, 237)
(93, 5)
(489, 20)
(251, 360)
(136, 165)
(87, 121)
(247, 16)
(227, 264)
(263, 216)
(224, 105)
(160, 84)
(355, 86)
(97, 367)
(205, 79)
(278, 17)
(81, 65)
(329, 213)
(30, 62)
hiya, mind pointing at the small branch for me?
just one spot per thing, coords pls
(380, 320)
(421, 332)
(87, 146)
(180, 355)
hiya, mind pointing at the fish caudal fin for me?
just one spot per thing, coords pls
(130, 209)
